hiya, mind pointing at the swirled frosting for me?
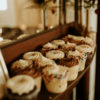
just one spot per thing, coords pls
(21, 64)
(84, 48)
(32, 55)
(45, 62)
(58, 42)
(50, 69)
(20, 84)
(55, 54)
(78, 38)
(5, 41)
(50, 45)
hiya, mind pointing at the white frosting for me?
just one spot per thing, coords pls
(32, 55)
(23, 36)
(50, 69)
(58, 42)
(78, 38)
(5, 41)
(45, 61)
(84, 48)
(50, 45)
(55, 54)
(22, 64)
(69, 45)
(20, 84)
(74, 53)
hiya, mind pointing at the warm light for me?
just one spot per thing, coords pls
(51, 27)
(1, 39)
(3, 5)
(37, 31)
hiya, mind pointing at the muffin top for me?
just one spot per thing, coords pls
(59, 72)
(50, 46)
(50, 69)
(22, 64)
(32, 55)
(20, 84)
(58, 42)
(77, 38)
(69, 62)
(5, 41)
(84, 48)
(55, 54)
(45, 62)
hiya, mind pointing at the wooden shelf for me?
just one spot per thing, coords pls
(11, 52)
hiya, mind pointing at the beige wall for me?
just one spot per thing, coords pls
(8, 17)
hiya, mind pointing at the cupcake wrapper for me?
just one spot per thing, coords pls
(73, 72)
(56, 86)
(30, 96)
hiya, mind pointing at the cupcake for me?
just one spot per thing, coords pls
(26, 67)
(73, 65)
(58, 42)
(32, 55)
(86, 50)
(55, 54)
(21, 87)
(55, 79)
(81, 58)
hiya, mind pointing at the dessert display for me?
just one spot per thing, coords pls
(21, 87)
(57, 62)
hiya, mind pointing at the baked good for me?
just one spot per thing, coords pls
(58, 42)
(55, 54)
(81, 58)
(86, 50)
(32, 55)
(73, 65)
(21, 87)
(79, 40)
(22, 36)
(55, 79)
(50, 46)
(5, 41)
(26, 67)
